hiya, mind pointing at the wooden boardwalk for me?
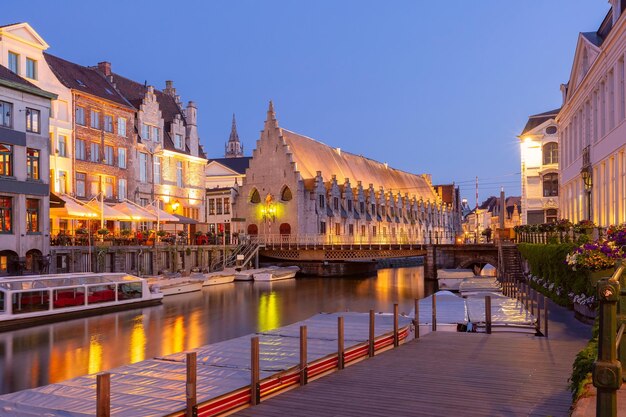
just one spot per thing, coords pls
(449, 374)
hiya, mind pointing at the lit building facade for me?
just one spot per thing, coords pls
(539, 144)
(24, 165)
(22, 51)
(298, 186)
(592, 128)
(170, 161)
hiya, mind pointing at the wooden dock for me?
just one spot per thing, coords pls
(449, 374)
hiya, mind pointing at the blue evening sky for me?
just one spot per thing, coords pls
(436, 87)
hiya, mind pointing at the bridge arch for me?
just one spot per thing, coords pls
(478, 261)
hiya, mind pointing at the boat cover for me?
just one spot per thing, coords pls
(473, 285)
(505, 311)
(156, 387)
(454, 273)
(451, 309)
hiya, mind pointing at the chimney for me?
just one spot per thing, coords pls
(105, 68)
(169, 88)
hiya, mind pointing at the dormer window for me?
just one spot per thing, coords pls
(178, 141)
(80, 83)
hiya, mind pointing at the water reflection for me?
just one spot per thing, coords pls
(41, 355)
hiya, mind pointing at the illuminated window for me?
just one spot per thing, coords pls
(32, 215)
(6, 160)
(6, 215)
(32, 164)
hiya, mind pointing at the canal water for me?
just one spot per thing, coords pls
(49, 353)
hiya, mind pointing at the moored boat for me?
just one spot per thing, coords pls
(35, 299)
(277, 274)
(450, 279)
(216, 278)
(173, 286)
(248, 274)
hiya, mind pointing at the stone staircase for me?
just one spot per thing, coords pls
(510, 262)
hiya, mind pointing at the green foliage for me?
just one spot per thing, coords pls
(583, 364)
(548, 262)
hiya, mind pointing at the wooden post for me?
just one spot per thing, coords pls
(303, 356)
(488, 313)
(396, 339)
(531, 301)
(417, 319)
(434, 312)
(340, 358)
(545, 315)
(538, 314)
(103, 395)
(371, 336)
(190, 391)
(255, 389)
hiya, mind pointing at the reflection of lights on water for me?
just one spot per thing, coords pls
(194, 330)
(268, 312)
(95, 355)
(179, 335)
(137, 341)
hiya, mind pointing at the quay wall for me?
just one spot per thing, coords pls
(136, 260)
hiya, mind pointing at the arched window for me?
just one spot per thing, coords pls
(254, 196)
(285, 194)
(285, 229)
(253, 229)
(551, 185)
(551, 153)
(551, 215)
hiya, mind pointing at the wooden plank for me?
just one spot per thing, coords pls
(477, 368)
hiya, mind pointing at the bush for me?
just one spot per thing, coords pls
(548, 262)
(583, 365)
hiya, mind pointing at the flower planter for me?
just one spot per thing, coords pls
(595, 276)
(585, 313)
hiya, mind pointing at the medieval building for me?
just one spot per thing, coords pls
(298, 186)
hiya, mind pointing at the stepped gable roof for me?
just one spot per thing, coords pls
(537, 119)
(85, 79)
(238, 165)
(135, 93)
(312, 156)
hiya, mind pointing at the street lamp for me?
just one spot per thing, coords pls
(587, 177)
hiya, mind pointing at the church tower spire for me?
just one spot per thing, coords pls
(234, 148)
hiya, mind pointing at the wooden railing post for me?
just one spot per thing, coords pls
(607, 370)
(191, 386)
(538, 313)
(340, 348)
(434, 307)
(545, 315)
(371, 335)
(103, 395)
(255, 389)
(303, 356)
(488, 313)
(396, 339)
(417, 319)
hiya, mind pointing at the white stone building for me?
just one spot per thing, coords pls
(592, 128)
(304, 190)
(24, 167)
(539, 145)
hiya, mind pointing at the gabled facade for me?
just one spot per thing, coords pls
(539, 144)
(24, 165)
(170, 161)
(22, 51)
(293, 187)
(592, 128)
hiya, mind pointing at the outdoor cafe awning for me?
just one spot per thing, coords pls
(109, 212)
(135, 212)
(72, 209)
(184, 220)
(163, 215)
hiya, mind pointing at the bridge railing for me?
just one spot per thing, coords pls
(300, 241)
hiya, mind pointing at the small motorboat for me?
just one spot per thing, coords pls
(277, 274)
(248, 274)
(215, 278)
(173, 286)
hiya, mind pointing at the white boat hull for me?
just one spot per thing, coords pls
(175, 286)
(276, 274)
(218, 279)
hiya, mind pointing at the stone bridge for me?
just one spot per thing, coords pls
(458, 256)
